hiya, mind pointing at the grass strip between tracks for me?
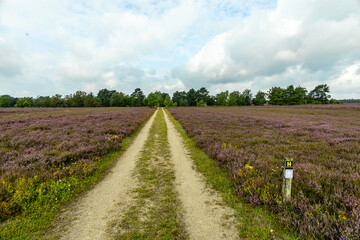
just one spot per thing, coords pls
(156, 213)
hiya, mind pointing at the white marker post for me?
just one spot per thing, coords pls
(288, 176)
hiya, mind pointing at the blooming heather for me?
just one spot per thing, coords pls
(251, 143)
(37, 145)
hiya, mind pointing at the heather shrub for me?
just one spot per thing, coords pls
(251, 143)
(45, 155)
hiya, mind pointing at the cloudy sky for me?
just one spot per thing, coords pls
(60, 46)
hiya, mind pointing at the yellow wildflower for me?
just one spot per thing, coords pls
(342, 217)
(248, 166)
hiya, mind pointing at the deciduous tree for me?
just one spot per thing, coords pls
(260, 98)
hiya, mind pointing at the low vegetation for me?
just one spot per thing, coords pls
(254, 222)
(48, 156)
(156, 212)
(250, 144)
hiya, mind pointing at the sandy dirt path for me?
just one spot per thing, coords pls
(94, 209)
(204, 215)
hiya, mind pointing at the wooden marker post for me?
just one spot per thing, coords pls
(288, 176)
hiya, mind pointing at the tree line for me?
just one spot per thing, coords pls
(201, 97)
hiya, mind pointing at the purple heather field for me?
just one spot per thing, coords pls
(38, 145)
(324, 141)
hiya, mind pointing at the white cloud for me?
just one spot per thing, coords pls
(109, 79)
(319, 36)
(285, 55)
(346, 82)
(76, 70)
(23, 93)
(212, 61)
(171, 86)
(10, 59)
(175, 45)
(105, 80)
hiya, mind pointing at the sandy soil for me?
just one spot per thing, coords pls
(205, 216)
(94, 210)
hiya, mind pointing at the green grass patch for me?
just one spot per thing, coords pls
(156, 212)
(255, 222)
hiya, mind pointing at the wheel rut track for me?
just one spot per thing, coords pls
(204, 214)
(206, 217)
(92, 211)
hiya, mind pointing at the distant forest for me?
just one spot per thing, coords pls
(200, 97)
